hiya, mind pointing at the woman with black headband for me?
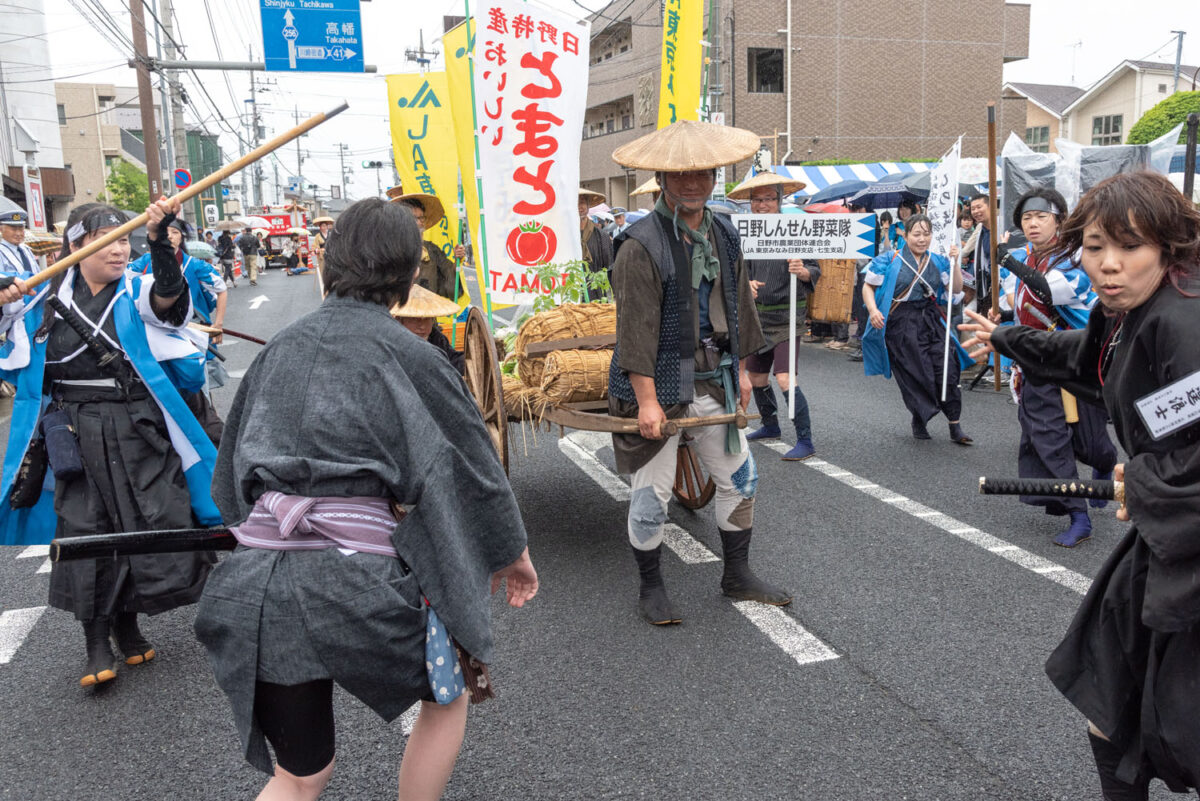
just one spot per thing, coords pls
(1049, 292)
(105, 412)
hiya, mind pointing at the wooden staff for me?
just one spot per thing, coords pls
(993, 238)
(212, 331)
(187, 194)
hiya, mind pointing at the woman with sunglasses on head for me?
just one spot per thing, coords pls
(1129, 660)
(124, 451)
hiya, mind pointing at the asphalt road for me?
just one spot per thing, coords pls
(909, 665)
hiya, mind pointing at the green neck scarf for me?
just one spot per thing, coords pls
(704, 261)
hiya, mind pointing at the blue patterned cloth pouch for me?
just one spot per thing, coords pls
(441, 661)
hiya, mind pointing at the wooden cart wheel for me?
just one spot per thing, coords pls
(692, 487)
(483, 380)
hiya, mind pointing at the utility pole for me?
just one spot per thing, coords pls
(1178, 58)
(299, 164)
(146, 100)
(342, 148)
(420, 55)
(178, 134)
(162, 102)
(254, 137)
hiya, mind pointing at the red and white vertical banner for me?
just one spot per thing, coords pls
(35, 200)
(531, 68)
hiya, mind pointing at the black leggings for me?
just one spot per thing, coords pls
(297, 720)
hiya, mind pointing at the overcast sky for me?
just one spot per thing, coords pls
(1108, 30)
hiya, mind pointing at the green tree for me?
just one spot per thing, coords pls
(126, 186)
(1163, 117)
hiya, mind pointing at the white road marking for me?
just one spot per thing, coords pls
(780, 627)
(409, 719)
(784, 631)
(258, 301)
(1076, 582)
(34, 551)
(237, 373)
(15, 625)
(44, 567)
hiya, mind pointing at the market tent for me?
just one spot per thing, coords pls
(817, 178)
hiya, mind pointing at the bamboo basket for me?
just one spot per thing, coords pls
(833, 299)
(573, 376)
(567, 321)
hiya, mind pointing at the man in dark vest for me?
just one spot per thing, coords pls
(597, 246)
(685, 323)
(438, 274)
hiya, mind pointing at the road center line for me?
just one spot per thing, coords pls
(15, 625)
(780, 627)
(1038, 565)
(34, 551)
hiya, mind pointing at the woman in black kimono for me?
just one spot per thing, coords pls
(1131, 658)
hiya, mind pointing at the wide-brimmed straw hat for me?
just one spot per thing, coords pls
(433, 207)
(423, 303)
(320, 220)
(647, 188)
(688, 145)
(394, 192)
(787, 185)
(592, 197)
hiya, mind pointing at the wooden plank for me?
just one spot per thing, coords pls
(578, 343)
(587, 406)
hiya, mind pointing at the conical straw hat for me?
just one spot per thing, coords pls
(688, 145)
(592, 197)
(433, 207)
(742, 191)
(423, 303)
(394, 192)
(320, 220)
(646, 188)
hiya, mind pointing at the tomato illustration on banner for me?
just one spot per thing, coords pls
(530, 94)
(531, 244)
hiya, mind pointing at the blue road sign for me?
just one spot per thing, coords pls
(312, 35)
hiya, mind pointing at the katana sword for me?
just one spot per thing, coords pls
(140, 543)
(1055, 487)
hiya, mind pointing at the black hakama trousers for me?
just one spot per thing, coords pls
(132, 481)
(916, 341)
(1050, 445)
(1137, 685)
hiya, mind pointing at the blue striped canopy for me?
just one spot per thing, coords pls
(817, 178)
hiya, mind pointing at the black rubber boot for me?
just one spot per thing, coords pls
(100, 659)
(738, 581)
(918, 428)
(653, 603)
(136, 648)
(1108, 757)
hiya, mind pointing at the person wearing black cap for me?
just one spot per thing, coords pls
(15, 256)
(124, 451)
(1050, 293)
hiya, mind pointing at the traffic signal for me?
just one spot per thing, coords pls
(372, 165)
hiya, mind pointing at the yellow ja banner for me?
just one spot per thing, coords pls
(458, 53)
(423, 143)
(679, 91)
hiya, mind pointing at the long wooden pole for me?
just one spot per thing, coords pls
(187, 194)
(993, 239)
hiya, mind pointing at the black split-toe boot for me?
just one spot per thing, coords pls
(653, 602)
(100, 659)
(738, 581)
(136, 648)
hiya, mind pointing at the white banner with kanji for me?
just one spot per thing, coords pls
(942, 205)
(531, 68)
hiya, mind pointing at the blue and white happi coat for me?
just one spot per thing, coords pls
(1070, 288)
(164, 356)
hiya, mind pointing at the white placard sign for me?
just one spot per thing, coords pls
(806, 236)
(1171, 408)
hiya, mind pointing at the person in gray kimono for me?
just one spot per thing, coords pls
(685, 324)
(372, 515)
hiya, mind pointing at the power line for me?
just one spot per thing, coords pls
(64, 77)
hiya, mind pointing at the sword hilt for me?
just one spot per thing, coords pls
(1055, 487)
(104, 355)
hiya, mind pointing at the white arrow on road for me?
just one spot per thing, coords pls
(260, 300)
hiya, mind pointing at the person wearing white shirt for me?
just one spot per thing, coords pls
(15, 256)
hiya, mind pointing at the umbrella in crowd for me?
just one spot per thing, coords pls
(254, 222)
(919, 182)
(300, 231)
(838, 191)
(826, 208)
(887, 194)
(228, 225)
(200, 250)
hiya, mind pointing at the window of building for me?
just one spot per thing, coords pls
(1106, 130)
(626, 122)
(610, 126)
(1038, 139)
(62, 114)
(764, 67)
(624, 48)
(1162, 88)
